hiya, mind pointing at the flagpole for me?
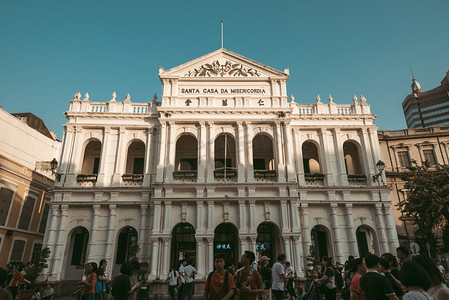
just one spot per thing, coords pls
(221, 34)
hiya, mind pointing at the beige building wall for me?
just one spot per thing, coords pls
(420, 144)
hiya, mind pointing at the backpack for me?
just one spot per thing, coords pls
(338, 279)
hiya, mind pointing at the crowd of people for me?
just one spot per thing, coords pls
(368, 278)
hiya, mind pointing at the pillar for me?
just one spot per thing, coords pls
(109, 237)
(280, 153)
(101, 180)
(170, 167)
(241, 153)
(351, 231)
(167, 217)
(93, 235)
(202, 152)
(211, 157)
(161, 164)
(119, 161)
(252, 216)
(336, 229)
(200, 258)
(381, 229)
(338, 146)
(298, 255)
(154, 257)
(289, 153)
(249, 149)
(391, 228)
(165, 257)
(148, 160)
(142, 231)
(305, 228)
(57, 259)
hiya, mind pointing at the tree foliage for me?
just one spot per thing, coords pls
(427, 201)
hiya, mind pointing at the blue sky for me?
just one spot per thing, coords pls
(49, 50)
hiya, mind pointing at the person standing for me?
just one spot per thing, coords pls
(289, 271)
(355, 290)
(265, 273)
(182, 284)
(278, 277)
(393, 275)
(249, 282)
(220, 282)
(16, 281)
(402, 253)
(415, 279)
(173, 278)
(87, 287)
(101, 290)
(133, 279)
(189, 272)
(328, 279)
(374, 285)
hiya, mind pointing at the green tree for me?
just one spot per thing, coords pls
(427, 201)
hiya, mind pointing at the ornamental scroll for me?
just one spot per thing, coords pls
(226, 69)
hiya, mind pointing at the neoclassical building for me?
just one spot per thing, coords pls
(224, 162)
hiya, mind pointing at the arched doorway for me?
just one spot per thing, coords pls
(321, 245)
(366, 241)
(183, 243)
(266, 240)
(226, 242)
(76, 254)
(127, 245)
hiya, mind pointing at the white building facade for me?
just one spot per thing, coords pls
(225, 162)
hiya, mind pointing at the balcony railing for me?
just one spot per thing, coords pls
(185, 175)
(314, 178)
(86, 178)
(357, 179)
(265, 175)
(229, 174)
(132, 178)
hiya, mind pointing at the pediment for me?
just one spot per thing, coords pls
(222, 63)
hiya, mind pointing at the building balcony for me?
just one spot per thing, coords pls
(132, 179)
(87, 179)
(314, 178)
(185, 175)
(357, 179)
(265, 175)
(225, 174)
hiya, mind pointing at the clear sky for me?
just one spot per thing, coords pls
(49, 50)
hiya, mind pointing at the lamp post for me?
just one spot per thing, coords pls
(54, 166)
(380, 167)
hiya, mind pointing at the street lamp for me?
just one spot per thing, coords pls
(53, 167)
(380, 166)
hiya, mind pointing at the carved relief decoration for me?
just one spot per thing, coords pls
(227, 69)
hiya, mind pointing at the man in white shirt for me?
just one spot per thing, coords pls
(189, 272)
(278, 277)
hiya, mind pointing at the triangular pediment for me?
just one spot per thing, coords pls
(222, 63)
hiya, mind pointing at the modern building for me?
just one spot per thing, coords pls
(26, 149)
(225, 162)
(427, 108)
(399, 148)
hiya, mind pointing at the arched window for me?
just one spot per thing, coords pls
(5, 203)
(366, 240)
(135, 159)
(320, 242)
(352, 159)
(79, 241)
(27, 213)
(127, 245)
(266, 240)
(311, 159)
(226, 242)
(263, 157)
(91, 161)
(225, 156)
(183, 243)
(186, 153)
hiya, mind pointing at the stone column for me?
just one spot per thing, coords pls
(93, 235)
(381, 228)
(57, 259)
(148, 160)
(391, 228)
(119, 161)
(294, 203)
(200, 258)
(280, 153)
(338, 145)
(284, 216)
(210, 217)
(242, 244)
(165, 258)
(241, 153)
(289, 153)
(49, 240)
(242, 213)
(154, 258)
(298, 255)
(142, 231)
(249, 149)
(210, 248)
(109, 237)
(67, 150)
(335, 228)
(211, 161)
(287, 247)
(305, 228)
(299, 160)
(252, 216)
(101, 181)
(202, 152)
(367, 155)
(156, 217)
(167, 217)
(161, 164)
(199, 217)
(170, 167)
(351, 231)
(75, 160)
